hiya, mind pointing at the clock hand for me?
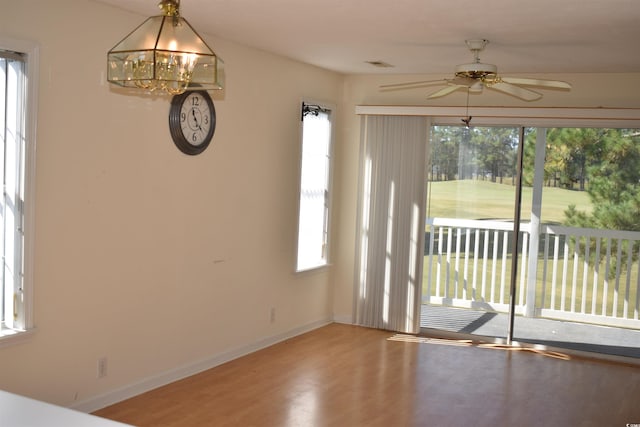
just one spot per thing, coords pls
(195, 119)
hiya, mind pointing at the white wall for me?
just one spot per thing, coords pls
(146, 256)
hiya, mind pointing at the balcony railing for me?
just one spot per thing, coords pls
(566, 273)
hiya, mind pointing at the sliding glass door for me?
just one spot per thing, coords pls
(469, 237)
(581, 286)
(570, 276)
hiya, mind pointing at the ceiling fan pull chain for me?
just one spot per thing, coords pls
(467, 121)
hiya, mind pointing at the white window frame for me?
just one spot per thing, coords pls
(23, 323)
(323, 260)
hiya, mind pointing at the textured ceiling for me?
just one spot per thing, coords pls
(425, 36)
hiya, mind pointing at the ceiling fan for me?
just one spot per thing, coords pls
(476, 76)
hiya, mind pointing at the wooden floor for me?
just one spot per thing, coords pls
(342, 375)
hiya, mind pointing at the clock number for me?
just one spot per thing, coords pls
(195, 101)
(183, 116)
(194, 137)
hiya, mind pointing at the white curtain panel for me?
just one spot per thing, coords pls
(391, 222)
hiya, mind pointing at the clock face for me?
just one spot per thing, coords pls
(192, 121)
(195, 119)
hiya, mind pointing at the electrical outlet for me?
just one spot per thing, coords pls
(272, 315)
(102, 367)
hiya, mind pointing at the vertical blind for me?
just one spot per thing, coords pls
(390, 224)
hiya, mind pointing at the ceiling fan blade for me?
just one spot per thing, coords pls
(537, 82)
(445, 91)
(412, 85)
(518, 92)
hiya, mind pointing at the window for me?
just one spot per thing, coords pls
(315, 177)
(17, 87)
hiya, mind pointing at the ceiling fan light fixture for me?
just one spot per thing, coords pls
(165, 54)
(476, 87)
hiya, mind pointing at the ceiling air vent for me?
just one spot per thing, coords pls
(379, 64)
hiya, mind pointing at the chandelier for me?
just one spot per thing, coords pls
(165, 54)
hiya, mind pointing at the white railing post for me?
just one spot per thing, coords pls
(534, 224)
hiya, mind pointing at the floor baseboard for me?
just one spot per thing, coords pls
(114, 396)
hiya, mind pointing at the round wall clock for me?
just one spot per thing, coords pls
(192, 121)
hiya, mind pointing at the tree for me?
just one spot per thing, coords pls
(614, 184)
(496, 150)
(568, 154)
(557, 158)
(614, 190)
(614, 187)
(445, 144)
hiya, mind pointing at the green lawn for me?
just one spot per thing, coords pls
(471, 199)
